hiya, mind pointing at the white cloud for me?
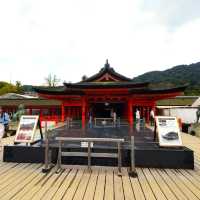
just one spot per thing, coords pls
(73, 38)
(172, 13)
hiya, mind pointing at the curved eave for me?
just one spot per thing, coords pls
(100, 85)
(29, 102)
(58, 91)
(158, 91)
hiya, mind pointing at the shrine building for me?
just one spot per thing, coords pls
(104, 93)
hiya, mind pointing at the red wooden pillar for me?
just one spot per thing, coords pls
(30, 111)
(62, 112)
(83, 111)
(130, 113)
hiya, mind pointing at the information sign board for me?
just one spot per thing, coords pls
(26, 128)
(168, 131)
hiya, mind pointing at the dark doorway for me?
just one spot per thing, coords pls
(105, 110)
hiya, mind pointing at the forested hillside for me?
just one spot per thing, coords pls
(175, 76)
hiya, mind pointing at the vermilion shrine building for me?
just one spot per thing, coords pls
(105, 92)
(99, 98)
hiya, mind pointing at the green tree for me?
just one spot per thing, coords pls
(19, 87)
(7, 88)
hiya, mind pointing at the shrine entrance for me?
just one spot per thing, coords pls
(106, 109)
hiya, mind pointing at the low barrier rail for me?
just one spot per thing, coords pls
(90, 154)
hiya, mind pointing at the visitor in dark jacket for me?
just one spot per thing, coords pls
(4, 118)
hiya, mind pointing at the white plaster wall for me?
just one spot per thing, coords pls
(166, 112)
(187, 115)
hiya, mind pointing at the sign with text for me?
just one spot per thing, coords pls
(26, 128)
(85, 144)
(168, 131)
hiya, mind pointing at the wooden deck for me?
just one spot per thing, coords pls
(25, 181)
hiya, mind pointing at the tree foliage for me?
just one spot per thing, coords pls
(7, 88)
(10, 88)
(19, 87)
(175, 76)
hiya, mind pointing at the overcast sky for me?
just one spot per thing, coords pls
(70, 38)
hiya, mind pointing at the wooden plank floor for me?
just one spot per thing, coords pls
(25, 181)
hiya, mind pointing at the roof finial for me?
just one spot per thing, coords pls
(107, 65)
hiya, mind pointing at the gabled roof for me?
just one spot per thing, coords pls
(108, 73)
(106, 78)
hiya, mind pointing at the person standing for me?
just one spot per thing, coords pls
(152, 116)
(137, 116)
(4, 120)
(90, 121)
(90, 118)
(115, 119)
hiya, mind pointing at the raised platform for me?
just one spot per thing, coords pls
(147, 152)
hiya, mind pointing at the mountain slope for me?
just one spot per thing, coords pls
(175, 76)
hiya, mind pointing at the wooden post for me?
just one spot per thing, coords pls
(47, 161)
(89, 155)
(59, 156)
(132, 172)
(46, 147)
(119, 158)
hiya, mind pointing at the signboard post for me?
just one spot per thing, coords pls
(27, 128)
(168, 131)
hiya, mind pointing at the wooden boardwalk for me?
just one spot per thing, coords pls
(25, 181)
